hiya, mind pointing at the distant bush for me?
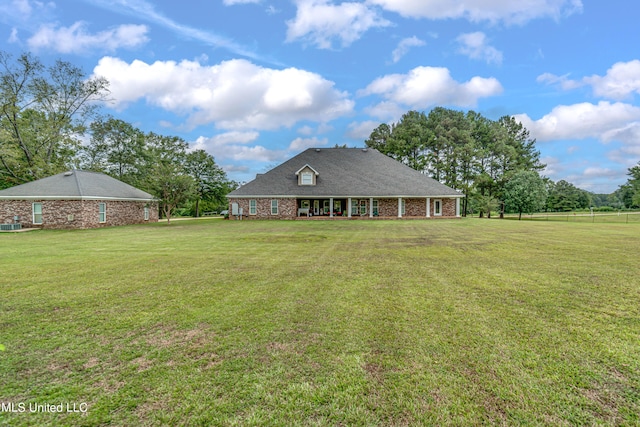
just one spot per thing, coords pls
(604, 209)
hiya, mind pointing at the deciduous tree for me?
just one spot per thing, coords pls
(525, 191)
(43, 111)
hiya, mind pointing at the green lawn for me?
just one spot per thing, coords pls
(212, 322)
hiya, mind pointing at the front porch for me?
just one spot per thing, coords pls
(352, 207)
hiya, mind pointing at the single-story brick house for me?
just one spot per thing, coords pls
(76, 199)
(345, 183)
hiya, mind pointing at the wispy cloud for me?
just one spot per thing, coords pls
(77, 38)
(404, 46)
(476, 46)
(145, 10)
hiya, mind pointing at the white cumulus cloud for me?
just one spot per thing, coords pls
(423, 87)
(77, 38)
(321, 22)
(508, 11)
(584, 120)
(236, 145)
(233, 95)
(620, 82)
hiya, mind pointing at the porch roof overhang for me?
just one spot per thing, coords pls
(353, 196)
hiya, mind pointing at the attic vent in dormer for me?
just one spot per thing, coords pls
(364, 150)
(68, 173)
(317, 150)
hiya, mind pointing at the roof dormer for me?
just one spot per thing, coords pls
(307, 175)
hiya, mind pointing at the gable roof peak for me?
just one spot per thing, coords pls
(307, 166)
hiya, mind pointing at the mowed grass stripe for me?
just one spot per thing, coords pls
(449, 322)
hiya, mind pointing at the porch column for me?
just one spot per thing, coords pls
(349, 207)
(331, 207)
(458, 207)
(371, 207)
(428, 207)
(399, 207)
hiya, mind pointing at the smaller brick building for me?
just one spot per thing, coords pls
(345, 183)
(76, 199)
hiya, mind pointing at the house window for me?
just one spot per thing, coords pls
(274, 207)
(374, 208)
(37, 213)
(146, 213)
(102, 212)
(354, 207)
(337, 207)
(325, 207)
(306, 179)
(402, 208)
(363, 207)
(437, 207)
(253, 208)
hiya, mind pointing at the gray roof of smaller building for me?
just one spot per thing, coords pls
(76, 185)
(345, 172)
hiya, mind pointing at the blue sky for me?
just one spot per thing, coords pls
(254, 82)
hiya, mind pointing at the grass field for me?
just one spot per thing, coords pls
(337, 323)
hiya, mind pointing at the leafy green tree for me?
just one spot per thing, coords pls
(42, 113)
(634, 184)
(379, 139)
(564, 196)
(525, 191)
(210, 180)
(167, 177)
(118, 149)
(467, 152)
(485, 204)
(172, 186)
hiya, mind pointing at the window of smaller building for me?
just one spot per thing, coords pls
(437, 207)
(102, 212)
(253, 207)
(274, 207)
(306, 178)
(37, 213)
(146, 213)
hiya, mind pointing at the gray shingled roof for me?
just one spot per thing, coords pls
(76, 185)
(345, 172)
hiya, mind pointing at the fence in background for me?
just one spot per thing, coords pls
(614, 217)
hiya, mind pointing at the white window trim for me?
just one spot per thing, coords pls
(146, 213)
(306, 175)
(437, 212)
(33, 213)
(276, 207)
(403, 208)
(253, 207)
(100, 213)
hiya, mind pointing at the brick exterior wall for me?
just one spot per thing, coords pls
(70, 214)
(288, 208)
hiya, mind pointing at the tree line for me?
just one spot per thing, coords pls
(50, 121)
(465, 151)
(494, 163)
